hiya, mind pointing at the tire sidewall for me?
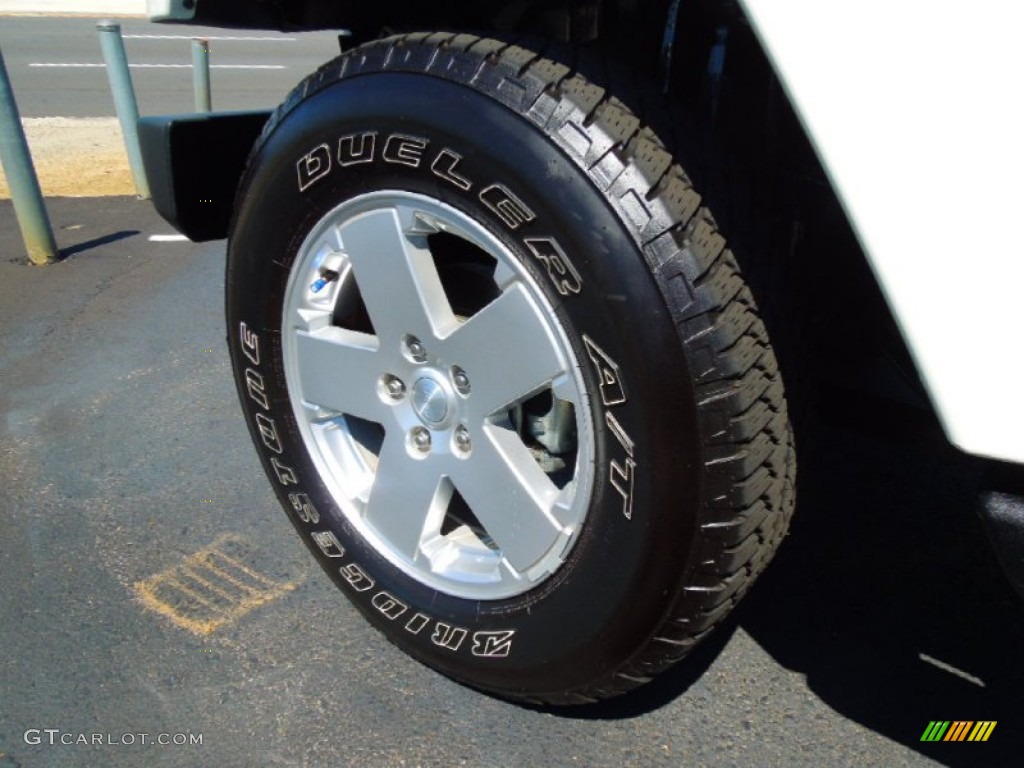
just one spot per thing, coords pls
(628, 560)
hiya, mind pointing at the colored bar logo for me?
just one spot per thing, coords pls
(958, 730)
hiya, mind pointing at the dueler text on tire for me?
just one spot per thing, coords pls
(501, 368)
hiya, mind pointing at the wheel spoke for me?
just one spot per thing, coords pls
(338, 371)
(510, 496)
(407, 496)
(506, 350)
(396, 277)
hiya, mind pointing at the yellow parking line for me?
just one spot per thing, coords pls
(209, 588)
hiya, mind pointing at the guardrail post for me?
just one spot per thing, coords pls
(29, 208)
(201, 74)
(124, 99)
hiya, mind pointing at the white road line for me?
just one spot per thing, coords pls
(62, 65)
(167, 238)
(210, 37)
(951, 669)
(247, 66)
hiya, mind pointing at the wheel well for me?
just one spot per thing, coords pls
(564, 20)
(809, 267)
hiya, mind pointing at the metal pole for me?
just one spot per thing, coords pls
(26, 195)
(201, 74)
(124, 99)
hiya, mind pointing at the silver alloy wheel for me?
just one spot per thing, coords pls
(423, 420)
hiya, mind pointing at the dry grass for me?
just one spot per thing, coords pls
(77, 157)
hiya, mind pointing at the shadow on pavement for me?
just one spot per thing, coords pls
(96, 242)
(101, 220)
(886, 594)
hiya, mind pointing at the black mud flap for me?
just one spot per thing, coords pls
(193, 164)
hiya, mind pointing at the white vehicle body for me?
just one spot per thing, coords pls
(915, 110)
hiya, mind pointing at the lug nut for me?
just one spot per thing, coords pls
(462, 441)
(393, 387)
(415, 350)
(460, 380)
(420, 439)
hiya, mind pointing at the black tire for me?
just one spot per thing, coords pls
(692, 480)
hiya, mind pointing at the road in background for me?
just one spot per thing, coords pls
(249, 70)
(77, 7)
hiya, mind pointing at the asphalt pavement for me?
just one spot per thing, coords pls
(128, 472)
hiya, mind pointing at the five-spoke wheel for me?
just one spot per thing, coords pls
(444, 422)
